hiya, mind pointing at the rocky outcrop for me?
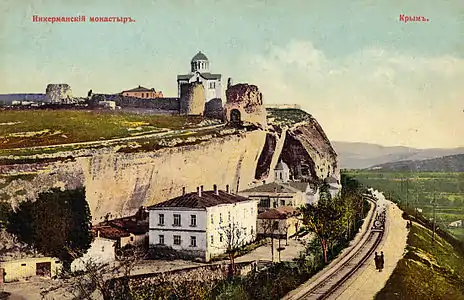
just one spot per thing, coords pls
(302, 145)
(245, 105)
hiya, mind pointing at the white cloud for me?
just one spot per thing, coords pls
(373, 95)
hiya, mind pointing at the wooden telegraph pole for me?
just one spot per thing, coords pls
(407, 192)
(434, 205)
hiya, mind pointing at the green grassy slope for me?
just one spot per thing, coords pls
(25, 128)
(428, 270)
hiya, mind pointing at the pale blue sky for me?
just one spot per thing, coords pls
(346, 62)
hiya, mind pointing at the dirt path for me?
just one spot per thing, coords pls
(370, 281)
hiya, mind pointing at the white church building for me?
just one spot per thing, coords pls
(200, 224)
(200, 72)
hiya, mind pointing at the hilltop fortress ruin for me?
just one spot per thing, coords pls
(119, 179)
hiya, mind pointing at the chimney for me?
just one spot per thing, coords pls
(201, 188)
(216, 192)
(183, 190)
(199, 191)
(227, 188)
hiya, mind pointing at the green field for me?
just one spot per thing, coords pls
(420, 190)
(28, 128)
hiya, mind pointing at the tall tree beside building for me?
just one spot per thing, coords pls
(234, 237)
(325, 219)
(57, 224)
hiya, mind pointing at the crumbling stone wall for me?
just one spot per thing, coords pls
(158, 103)
(192, 98)
(214, 109)
(59, 93)
(248, 101)
(206, 273)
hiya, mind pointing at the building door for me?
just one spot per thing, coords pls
(44, 269)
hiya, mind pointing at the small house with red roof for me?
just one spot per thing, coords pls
(281, 222)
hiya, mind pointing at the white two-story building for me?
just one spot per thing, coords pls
(202, 224)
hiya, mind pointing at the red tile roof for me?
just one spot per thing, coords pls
(109, 232)
(207, 199)
(122, 227)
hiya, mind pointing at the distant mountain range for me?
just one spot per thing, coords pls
(451, 163)
(364, 155)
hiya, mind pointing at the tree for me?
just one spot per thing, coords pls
(324, 218)
(269, 227)
(5, 211)
(234, 237)
(56, 224)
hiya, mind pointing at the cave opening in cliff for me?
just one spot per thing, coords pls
(265, 158)
(302, 167)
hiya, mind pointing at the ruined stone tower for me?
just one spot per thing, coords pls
(192, 99)
(244, 106)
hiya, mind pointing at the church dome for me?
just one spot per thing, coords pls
(199, 56)
(281, 166)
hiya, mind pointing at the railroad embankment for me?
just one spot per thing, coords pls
(432, 268)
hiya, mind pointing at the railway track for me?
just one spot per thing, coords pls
(335, 278)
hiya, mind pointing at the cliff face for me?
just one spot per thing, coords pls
(120, 183)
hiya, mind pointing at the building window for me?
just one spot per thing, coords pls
(252, 231)
(177, 240)
(212, 239)
(176, 220)
(221, 238)
(23, 265)
(281, 177)
(266, 203)
(228, 216)
(220, 218)
(212, 219)
(275, 226)
(131, 238)
(212, 85)
(193, 221)
(282, 202)
(252, 210)
(161, 239)
(193, 241)
(161, 219)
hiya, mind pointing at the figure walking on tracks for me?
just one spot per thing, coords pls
(381, 261)
(377, 261)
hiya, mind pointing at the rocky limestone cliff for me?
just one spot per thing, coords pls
(120, 182)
